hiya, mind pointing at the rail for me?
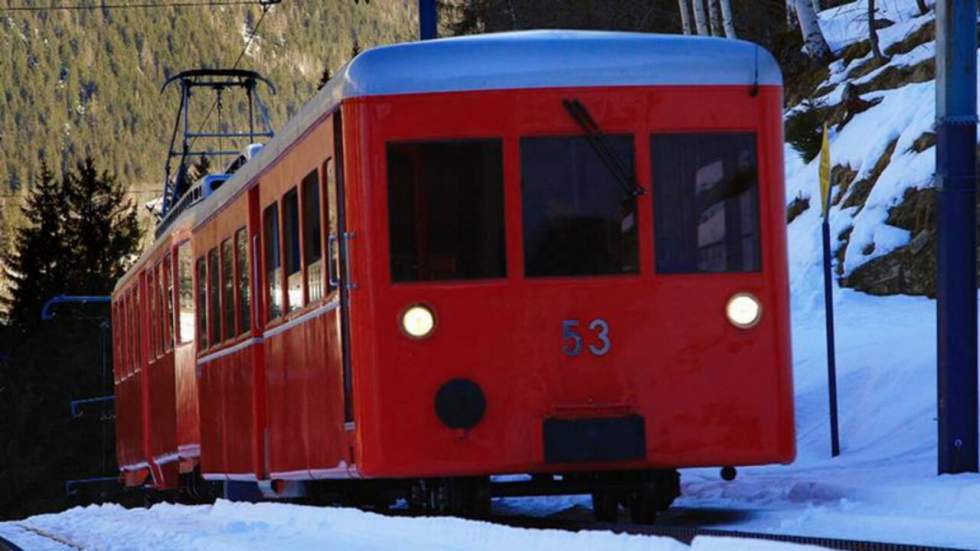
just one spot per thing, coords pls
(686, 534)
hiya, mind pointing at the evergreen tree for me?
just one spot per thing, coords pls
(34, 266)
(101, 230)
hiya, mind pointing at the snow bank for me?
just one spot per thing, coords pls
(244, 526)
(903, 115)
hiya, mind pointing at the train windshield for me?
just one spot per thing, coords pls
(706, 203)
(446, 210)
(578, 219)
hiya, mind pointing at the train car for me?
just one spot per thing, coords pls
(552, 253)
(157, 421)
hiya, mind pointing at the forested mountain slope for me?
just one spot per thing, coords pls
(74, 83)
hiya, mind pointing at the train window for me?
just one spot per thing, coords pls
(290, 240)
(161, 310)
(244, 291)
(127, 343)
(273, 261)
(333, 226)
(446, 210)
(214, 296)
(578, 219)
(706, 203)
(185, 282)
(228, 288)
(312, 242)
(137, 329)
(151, 303)
(202, 304)
(169, 299)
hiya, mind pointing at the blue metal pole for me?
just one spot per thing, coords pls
(47, 314)
(956, 278)
(828, 297)
(427, 19)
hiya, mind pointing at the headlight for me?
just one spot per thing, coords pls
(418, 321)
(743, 310)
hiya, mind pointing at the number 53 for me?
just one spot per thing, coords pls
(572, 340)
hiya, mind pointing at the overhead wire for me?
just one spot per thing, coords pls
(132, 5)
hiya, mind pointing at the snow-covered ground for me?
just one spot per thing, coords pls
(883, 487)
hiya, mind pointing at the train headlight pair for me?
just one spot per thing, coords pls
(743, 310)
(418, 321)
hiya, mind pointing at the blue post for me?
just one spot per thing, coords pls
(427, 19)
(828, 297)
(956, 278)
(47, 314)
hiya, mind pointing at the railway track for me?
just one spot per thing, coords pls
(7, 545)
(686, 534)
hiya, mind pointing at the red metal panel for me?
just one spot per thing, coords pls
(710, 394)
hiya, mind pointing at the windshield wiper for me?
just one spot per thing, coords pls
(596, 139)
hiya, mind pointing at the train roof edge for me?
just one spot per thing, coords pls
(510, 60)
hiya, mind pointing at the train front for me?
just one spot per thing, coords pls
(569, 255)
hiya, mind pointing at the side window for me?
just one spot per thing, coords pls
(185, 283)
(228, 288)
(214, 296)
(333, 226)
(290, 240)
(137, 329)
(578, 219)
(161, 331)
(446, 210)
(151, 304)
(273, 261)
(202, 304)
(706, 203)
(312, 241)
(123, 327)
(168, 292)
(244, 289)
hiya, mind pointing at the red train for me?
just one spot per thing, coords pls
(553, 253)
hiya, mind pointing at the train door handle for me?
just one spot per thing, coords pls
(348, 238)
(332, 278)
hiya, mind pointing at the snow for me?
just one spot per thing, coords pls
(848, 23)
(903, 115)
(261, 526)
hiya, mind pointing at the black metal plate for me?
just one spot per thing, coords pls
(594, 440)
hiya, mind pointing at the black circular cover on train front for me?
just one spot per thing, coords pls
(460, 404)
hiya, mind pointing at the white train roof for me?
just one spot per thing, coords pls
(549, 59)
(514, 60)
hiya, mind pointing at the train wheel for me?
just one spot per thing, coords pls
(643, 504)
(468, 497)
(605, 506)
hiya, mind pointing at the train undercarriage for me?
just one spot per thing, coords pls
(641, 493)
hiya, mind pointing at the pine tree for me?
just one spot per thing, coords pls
(34, 266)
(101, 229)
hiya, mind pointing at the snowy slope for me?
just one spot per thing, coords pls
(904, 114)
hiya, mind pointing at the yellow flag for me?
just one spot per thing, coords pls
(825, 171)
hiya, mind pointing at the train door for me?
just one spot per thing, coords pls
(339, 242)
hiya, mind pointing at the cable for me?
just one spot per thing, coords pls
(137, 5)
